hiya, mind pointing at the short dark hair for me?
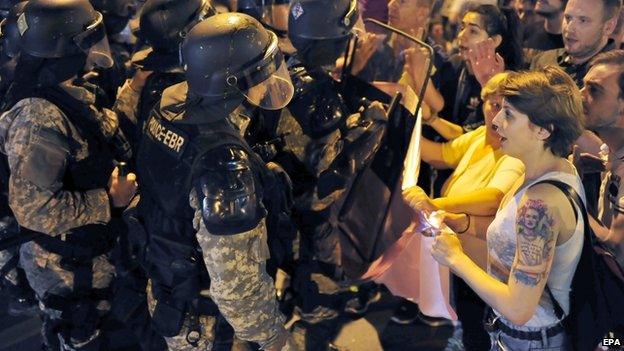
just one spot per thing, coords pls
(611, 8)
(551, 100)
(615, 58)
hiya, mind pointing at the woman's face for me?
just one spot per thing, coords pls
(471, 32)
(515, 131)
(491, 107)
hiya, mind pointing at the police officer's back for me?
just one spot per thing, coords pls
(162, 27)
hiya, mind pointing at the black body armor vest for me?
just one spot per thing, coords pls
(167, 165)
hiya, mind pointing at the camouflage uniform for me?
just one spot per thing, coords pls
(317, 128)
(239, 285)
(40, 142)
(236, 265)
(179, 342)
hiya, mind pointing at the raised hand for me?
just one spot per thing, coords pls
(484, 60)
(367, 44)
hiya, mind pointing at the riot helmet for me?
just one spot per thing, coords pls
(116, 13)
(273, 14)
(321, 29)
(9, 32)
(61, 28)
(164, 23)
(231, 55)
(6, 6)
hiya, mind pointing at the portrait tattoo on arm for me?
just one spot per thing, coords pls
(535, 240)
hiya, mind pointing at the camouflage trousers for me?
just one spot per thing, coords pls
(239, 283)
(179, 342)
(5, 257)
(8, 229)
(45, 276)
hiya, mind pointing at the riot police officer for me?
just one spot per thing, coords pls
(64, 187)
(162, 27)
(6, 6)
(202, 205)
(273, 14)
(117, 14)
(321, 129)
(12, 278)
(9, 45)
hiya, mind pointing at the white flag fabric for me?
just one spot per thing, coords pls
(407, 267)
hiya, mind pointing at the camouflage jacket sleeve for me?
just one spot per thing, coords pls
(239, 283)
(38, 149)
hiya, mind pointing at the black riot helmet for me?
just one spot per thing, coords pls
(10, 38)
(231, 55)
(164, 23)
(63, 28)
(273, 14)
(6, 6)
(320, 29)
(116, 13)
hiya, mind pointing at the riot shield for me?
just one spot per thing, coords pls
(365, 219)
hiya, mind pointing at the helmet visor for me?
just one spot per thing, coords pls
(205, 10)
(265, 83)
(275, 17)
(274, 93)
(94, 43)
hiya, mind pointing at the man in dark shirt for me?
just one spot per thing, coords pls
(586, 28)
(545, 35)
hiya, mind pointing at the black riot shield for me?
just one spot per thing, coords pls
(365, 219)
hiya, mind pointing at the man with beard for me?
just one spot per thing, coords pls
(547, 35)
(603, 106)
(586, 28)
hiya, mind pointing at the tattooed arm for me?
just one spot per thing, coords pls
(539, 223)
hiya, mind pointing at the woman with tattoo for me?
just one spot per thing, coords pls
(533, 242)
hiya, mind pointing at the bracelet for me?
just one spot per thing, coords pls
(467, 227)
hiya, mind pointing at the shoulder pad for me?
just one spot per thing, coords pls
(229, 199)
(319, 109)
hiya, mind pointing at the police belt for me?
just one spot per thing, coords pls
(24, 236)
(493, 323)
(74, 247)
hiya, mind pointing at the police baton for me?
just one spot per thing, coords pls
(122, 169)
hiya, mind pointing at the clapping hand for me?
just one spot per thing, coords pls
(485, 61)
